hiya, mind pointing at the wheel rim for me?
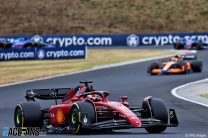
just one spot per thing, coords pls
(74, 120)
(18, 118)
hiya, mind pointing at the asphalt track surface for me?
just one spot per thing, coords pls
(131, 80)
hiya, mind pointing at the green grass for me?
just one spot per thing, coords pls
(14, 71)
(204, 95)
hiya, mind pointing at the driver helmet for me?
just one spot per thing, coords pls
(176, 58)
(94, 97)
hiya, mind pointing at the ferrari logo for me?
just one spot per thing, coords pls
(60, 116)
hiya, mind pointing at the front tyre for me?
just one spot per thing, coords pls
(155, 108)
(153, 66)
(76, 120)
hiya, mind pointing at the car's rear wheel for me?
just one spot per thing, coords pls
(155, 108)
(28, 114)
(2, 45)
(76, 119)
(197, 46)
(178, 46)
(197, 66)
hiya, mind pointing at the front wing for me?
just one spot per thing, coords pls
(124, 124)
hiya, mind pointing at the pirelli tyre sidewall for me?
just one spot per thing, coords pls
(155, 108)
(178, 46)
(197, 46)
(197, 66)
(28, 114)
(75, 116)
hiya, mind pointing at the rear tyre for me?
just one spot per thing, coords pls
(197, 46)
(178, 46)
(75, 116)
(28, 114)
(155, 108)
(28, 45)
(197, 66)
(2, 45)
(153, 66)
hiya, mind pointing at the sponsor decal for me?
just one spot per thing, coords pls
(73, 52)
(79, 41)
(41, 54)
(60, 116)
(133, 40)
(37, 39)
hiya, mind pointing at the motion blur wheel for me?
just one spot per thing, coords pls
(18, 117)
(197, 46)
(155, 108)
(76, 120)
(28, 114)
(153, 66)
(197, 66)
(178, 46)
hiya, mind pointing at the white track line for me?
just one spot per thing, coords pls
(95, 68)
(174, 92)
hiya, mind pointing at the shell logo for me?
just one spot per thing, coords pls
(60, 117)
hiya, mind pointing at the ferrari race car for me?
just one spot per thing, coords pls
(191, 43)
(176, 65)
(21, 42)
(83, 109)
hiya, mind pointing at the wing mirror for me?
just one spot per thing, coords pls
(124, 98)
(105, 94)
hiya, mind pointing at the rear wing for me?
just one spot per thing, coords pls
(46, 94)
(189, 56)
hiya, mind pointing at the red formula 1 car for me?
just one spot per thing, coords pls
(83, 109)
(176, 65)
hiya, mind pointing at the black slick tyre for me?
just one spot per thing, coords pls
(197, 66)
(153, 66)
(75, 116)
(28, 114)
(178, 46)
(155, 108)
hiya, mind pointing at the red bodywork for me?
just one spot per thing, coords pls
(59, 113)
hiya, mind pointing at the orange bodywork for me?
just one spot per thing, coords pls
(166, 66)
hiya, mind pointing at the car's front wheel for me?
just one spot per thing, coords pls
(155, 108)
(81, 113)
(153, 66)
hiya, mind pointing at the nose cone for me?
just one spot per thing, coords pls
(134, 120)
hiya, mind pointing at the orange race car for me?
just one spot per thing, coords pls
(176, 65)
